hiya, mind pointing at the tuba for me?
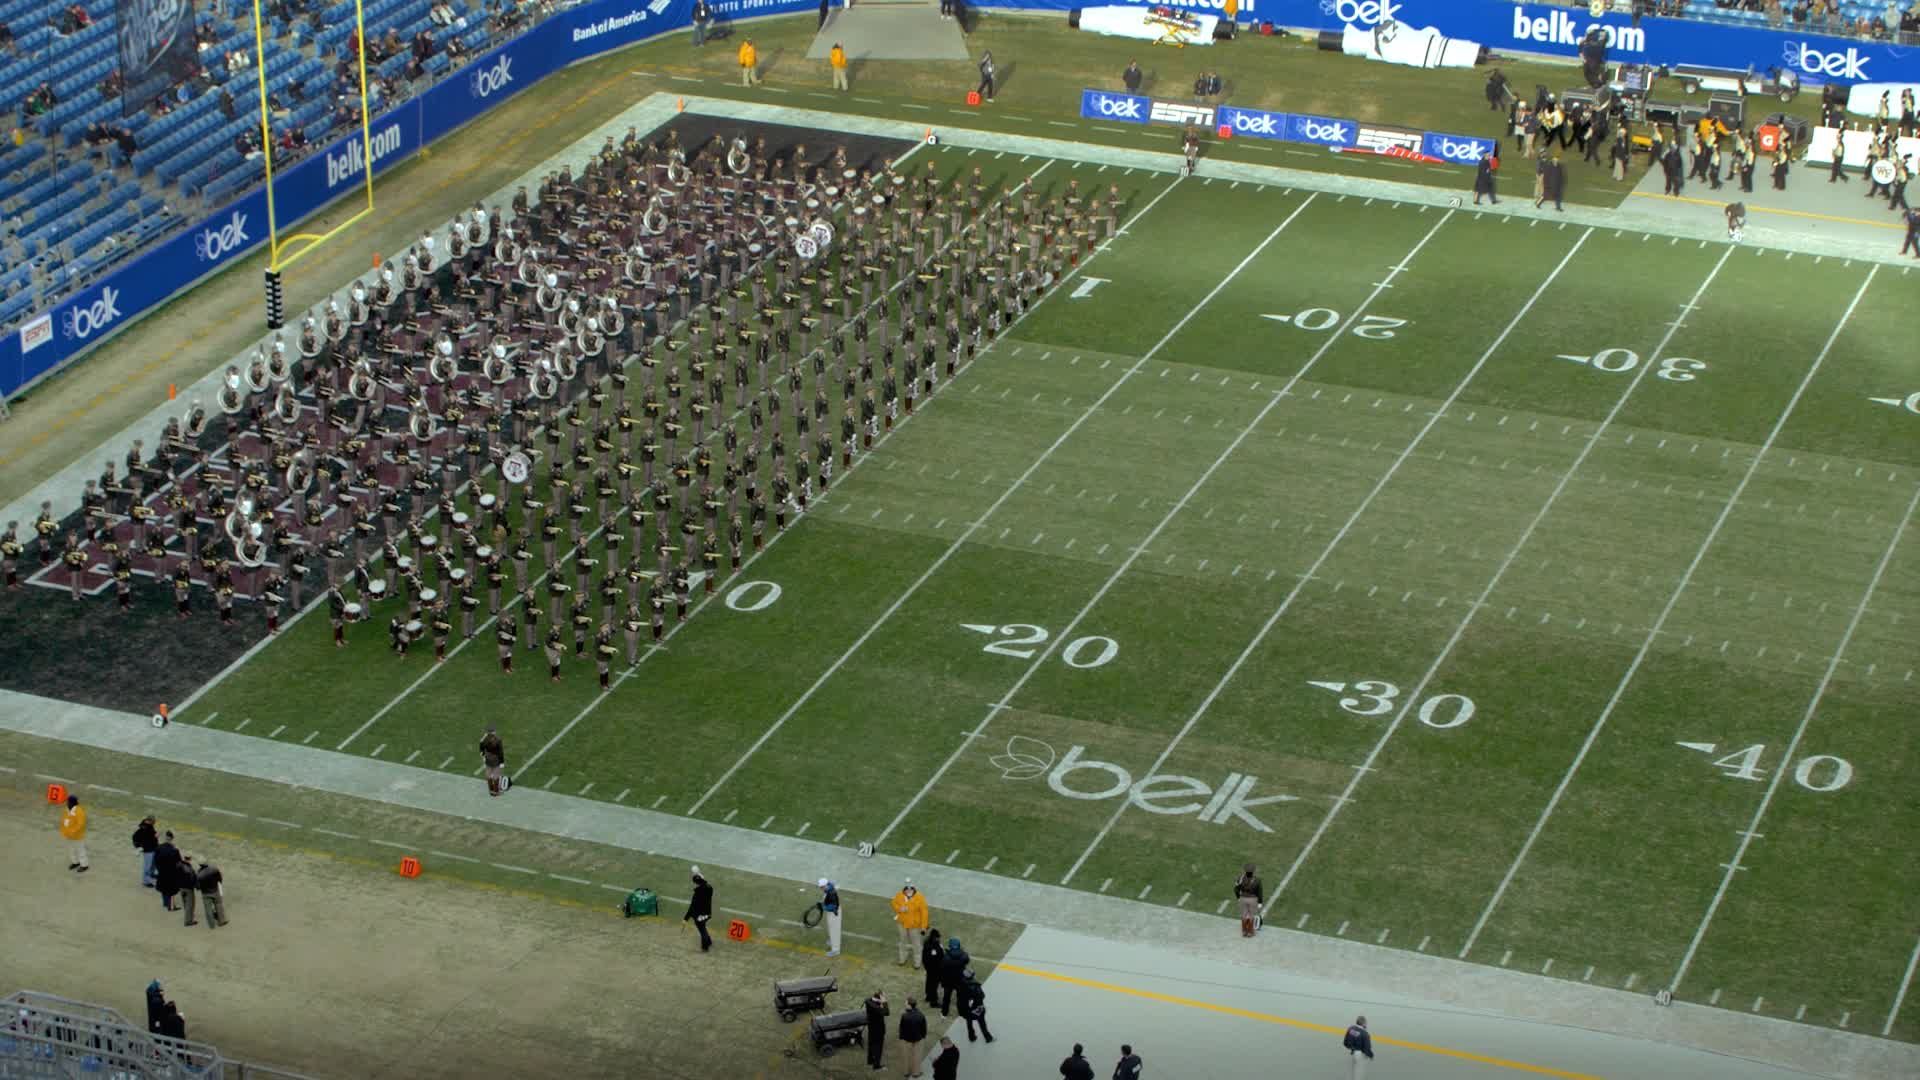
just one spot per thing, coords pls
(527, 269)
(543, 384)
(589, 337)
(310, 337)
(251, 546)
(653, 220)
(258, 377)
(457, 243)
(385, 291)
(476, 227)
(565, 364)
(639, 270)
(506, 247)
(412, 273)
(357, 311)
(496, 366)
(233, 392)
(279, 363)
(570, 316)
(548, 296)
(442, 366)
(677, 171)
(299, 475)
(194, 424)
(612, 319)
(738, 160)
(285, 405)
(361, 384)
(239, 519)
(420, 422)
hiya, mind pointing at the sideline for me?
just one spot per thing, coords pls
(1780, 210)
(1288, 1021)
(1369, 969)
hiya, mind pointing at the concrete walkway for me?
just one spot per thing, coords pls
(1472, 1008)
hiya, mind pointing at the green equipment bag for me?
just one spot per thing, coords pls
(640, 902)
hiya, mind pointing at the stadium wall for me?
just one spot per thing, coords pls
(52, 339)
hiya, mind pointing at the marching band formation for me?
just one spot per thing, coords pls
(463, 430)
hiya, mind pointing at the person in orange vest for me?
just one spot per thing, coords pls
(910, 912)
(73, 826)
(748, 61)
(837, 60)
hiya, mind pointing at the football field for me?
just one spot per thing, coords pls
(1504, 588)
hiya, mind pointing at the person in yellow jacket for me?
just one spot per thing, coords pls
(73, 826)
(837, 60)
(910, 914)
(749, 61)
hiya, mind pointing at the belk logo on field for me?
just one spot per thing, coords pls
(1168, 795)
(214, 243)
(487, 81)
(82, 321)
(1832, 65)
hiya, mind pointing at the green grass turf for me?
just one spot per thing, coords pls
(1621, 875)
(1044, 65)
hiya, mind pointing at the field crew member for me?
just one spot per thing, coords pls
(73, 828)
(837, 60)
(830, 908)
(749, 60)
(910, 913)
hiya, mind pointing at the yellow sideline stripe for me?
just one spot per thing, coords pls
(1286, 1021)
(1771, 210)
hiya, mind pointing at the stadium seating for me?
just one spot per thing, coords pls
(70, 210)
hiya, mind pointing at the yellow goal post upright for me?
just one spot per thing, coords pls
(282, 253)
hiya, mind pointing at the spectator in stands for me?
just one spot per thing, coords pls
(236, 61)
(247, 144)
(456, 51)
(98, 133)
(441, 13)
(123, 137)
(228, 107)
(40, 100)
(390, 45)
(6, 37)
(344, 115)
(71, 21)
(111, 86)
(422, 47)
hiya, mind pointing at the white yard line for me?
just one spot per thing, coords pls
(751, 559)
(1326, 552)
(1900, 996)
(1735, 865)
(1653, 633)
(1499, 574)
(965, 535)
(1133, 553)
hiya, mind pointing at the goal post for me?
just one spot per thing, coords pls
(283, 252)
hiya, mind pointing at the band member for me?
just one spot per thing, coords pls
(337, 614)
(272, 597)
(123, 587)
(1191, 146)
(632, 625)
(556, 648)
(183, 591)
(582, 616)
(442, 628)
(682, 590)
(603, 653)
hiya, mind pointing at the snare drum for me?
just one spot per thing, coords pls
(832, 190)
(458, 575)
(793, 223)
(429, 541)
(849, 175)
(355, 612)
(414, 627)
(484, 551)
(460, 519)
(813, 204)
(377, 588)
(487, 502)
(428, 596)
(755, 248)
(405, 564)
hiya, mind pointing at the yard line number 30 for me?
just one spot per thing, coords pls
(1373, 697)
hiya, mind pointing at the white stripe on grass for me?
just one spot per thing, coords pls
(1133, 553)
(960, 541)
(1326, 552)
(1659, 624)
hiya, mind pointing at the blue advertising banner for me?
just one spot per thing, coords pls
(1322, 131)
(1458, 149)
(1126, 108)
(1255, 122)
(1558, 31)
(52, 338)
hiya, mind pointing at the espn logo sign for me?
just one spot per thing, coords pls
(1180, 113)
(35, 333)
(1390, 140)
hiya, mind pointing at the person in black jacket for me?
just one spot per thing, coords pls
(1359, 1047)
(1076, 1066)
(973, 1007)
(933, 960)
(913, 1031)
(1129, 1065)
(946, 1064)
(877, 1010)
(700, 910)
(166, 864)
(146, 841)
(985, 89)
(1131, 77)
(953, 973)
(156, 1006)
(1482, 188)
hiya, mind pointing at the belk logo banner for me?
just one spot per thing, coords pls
(1128, 108)
(1253, 122)
(83, 319)
(1322, 131)
(487, 81)
(1458, 149)
(215, 242)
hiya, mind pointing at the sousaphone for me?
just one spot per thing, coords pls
(251, 549)
(570, 316)
(299, 475)
(421, 424)
(653, 220)
(639, 270)
(506, 247)
(361, 384)
(412, 273)
(310, 336)
(589, 337)
(259, 377)
(233, 392)
(565, 364)
(279, 360)
(385, 289)
(496, 366)
(612, 319)
(548, 296)
(194, 424)
(457, 243)
(285, 405)
(738, 159)
(441, 365)
(543, 384)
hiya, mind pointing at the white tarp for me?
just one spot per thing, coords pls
(1863, 99)
(1397, 43)
(1133, 22)
(1820, 148)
